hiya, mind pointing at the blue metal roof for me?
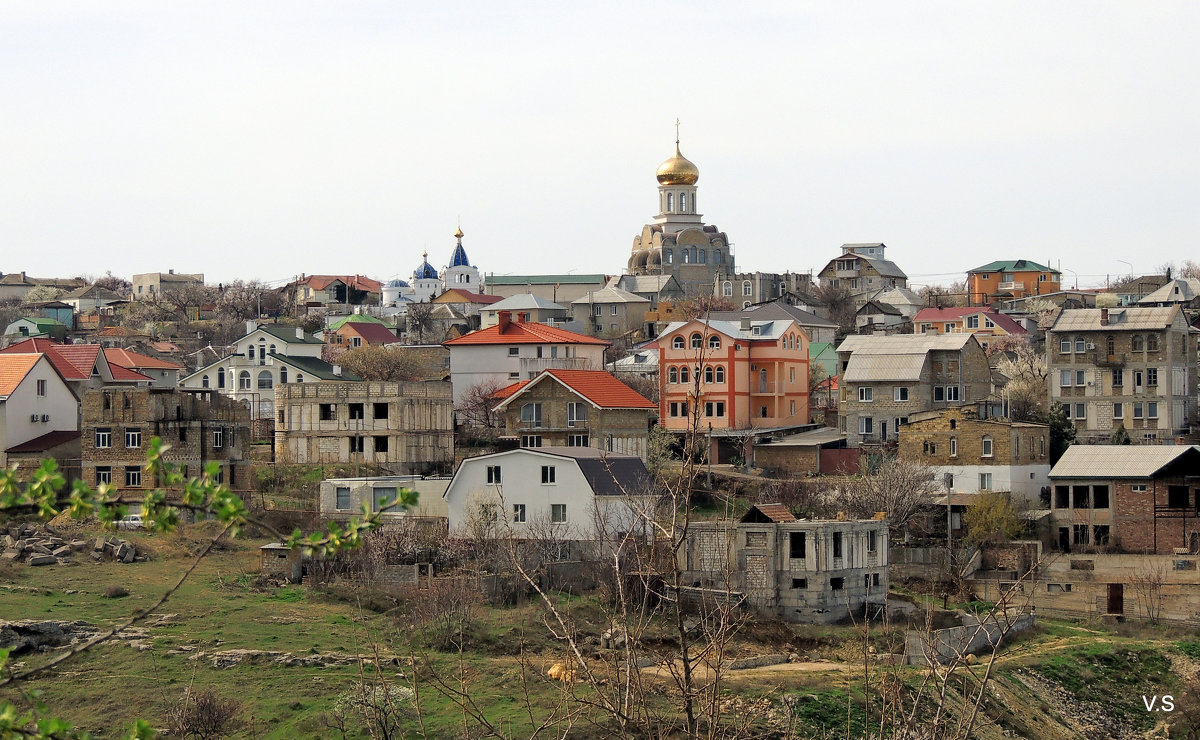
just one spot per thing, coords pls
(459, 258)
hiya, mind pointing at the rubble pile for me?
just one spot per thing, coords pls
(36, 545)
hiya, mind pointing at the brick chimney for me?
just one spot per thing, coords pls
(503, 319)
(1104, 317)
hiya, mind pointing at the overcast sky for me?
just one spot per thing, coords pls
(265, 139)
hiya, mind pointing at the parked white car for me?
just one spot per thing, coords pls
(133, 521)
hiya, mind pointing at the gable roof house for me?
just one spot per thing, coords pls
(577, 408)
(1184, 291)
(610, 312)
(82, 366)
(518, 350)
(316, 291)
(1132, 498)
(862, 269)
(818, 328)
(262, 359)
(979, 320)
(163, 373)
(152, 285)
(886, 379)
(572, 494)
(526, 307)
(35, 326)
(357, 330)
(90, 298)
(35, 401)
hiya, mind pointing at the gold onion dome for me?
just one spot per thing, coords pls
(678, 170)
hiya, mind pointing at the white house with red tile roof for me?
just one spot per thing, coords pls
(577, 408)
(516, 350)
(34, 400)
(82, 366)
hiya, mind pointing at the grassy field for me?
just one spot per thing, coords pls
(502, 666)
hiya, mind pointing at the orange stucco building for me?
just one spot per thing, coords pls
(733, 375)
(1010, 279)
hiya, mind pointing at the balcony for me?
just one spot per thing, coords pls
(1102, 359)
(1011, 285)
(765, 389)
(531, 366)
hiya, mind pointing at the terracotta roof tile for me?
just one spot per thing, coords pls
(372, 333)
(602, 389)
(126, 358)
(508, 390)
(957, 313)
(13, 369)
(124, 373)
(47, 441)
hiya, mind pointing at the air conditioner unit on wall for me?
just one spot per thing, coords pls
(45, 417)
(33, 417)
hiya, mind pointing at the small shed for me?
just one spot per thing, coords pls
(280, 560)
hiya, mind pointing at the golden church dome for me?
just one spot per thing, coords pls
(678, 170)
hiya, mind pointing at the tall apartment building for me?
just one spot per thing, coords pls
(1124, 366)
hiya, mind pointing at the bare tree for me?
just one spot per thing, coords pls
(420, 322)
(244, 300)
(1147, 585)
(839, 303)
(375, 362)
(1025, 367)
(902, 488)
(477, 409)
(700, 306)
(118, 285)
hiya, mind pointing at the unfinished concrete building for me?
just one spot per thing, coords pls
(403, 427)
(799, 570)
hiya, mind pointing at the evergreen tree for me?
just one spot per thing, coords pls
(1062, 431)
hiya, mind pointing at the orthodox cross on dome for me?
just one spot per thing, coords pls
(676, 133)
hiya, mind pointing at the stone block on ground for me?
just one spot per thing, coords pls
(61, 551)
(41, 560)
(129, 555)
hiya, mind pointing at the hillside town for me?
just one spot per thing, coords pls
(831, 431)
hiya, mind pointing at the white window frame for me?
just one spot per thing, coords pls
(558, 513)
(900, 393)
(986, 447)
(549, 476)
(866, 394)
(103, 438)
(518, 514)
(985, 481)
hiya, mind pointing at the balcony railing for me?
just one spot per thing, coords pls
(531, 366)
(1103, 359)
(1010, 285)
(763, 389)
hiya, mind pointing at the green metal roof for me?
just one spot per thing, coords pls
(1014, 266)
(357, 318)
(288, 334)
(544, 279)
(42, 323)
(314, 367)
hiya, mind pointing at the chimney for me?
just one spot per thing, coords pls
(746, 324)
(299, 332)
(1104, 317)
(337, 370)
(251, 325)
(503, 319)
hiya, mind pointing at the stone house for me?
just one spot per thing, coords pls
(577, 408)
(1131, 498)
(1132, 366)
(525, 307)
(799, 570)
(405, 427)
(201, 428)
(153, 285)
(886, 379)
(862, 269)
(817, 328)
(980, 452)
(610, 312)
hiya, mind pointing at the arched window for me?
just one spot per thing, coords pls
(746, 290)
(683, 202)
(703, 257)
(720, 374)
(265, 380)
(670, 202)
(677, 343)
(746, 304)
(683, 375)
(204, 382)
(299, 377)
(673, 375)
(1110, 345)
(714, 342)
(666, 257)
(717, 257)
(250, 352)
(726, 287)
(687, 257)
(283, 374)
(1137, 342)
(220, 377)
(696, 342)
(708, 374)
(272, 349)
(244, 380)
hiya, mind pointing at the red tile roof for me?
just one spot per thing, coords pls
(371, 333)
(508, 390)
(124, 373)
(458, 295)
(523, 333)
(957, 313)
(597, 386)
(777, 513)
(70, 362)
(13, 369)
(47, 441)
(126, 358)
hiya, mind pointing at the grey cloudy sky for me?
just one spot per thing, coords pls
(265, 139)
